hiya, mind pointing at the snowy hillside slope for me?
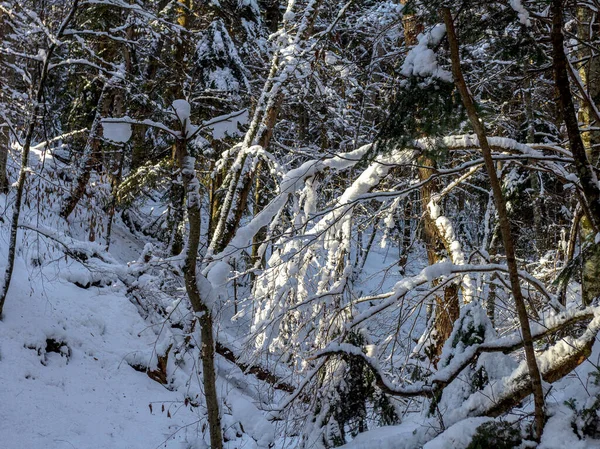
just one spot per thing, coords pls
(67, 381)
(82, 394)
(66, 357)
(75, 346)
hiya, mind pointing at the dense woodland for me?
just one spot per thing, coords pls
(365, 223)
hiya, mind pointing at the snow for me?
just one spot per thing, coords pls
(183, 110)
(252, 420)
(457, 436)
(219, 274)
(87, 394)
(92, 398)
(289, 16)
(558, 432)
(116, 131)
(409, 435)
(228, 124)
(421, 60)
(521, 11)
(79, 339)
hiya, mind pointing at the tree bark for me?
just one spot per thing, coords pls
(203, 312)
(4, 132)
(4, 141)
(534, 373)
(447, 309)
(259, 133)
(177, 191)
(589, 87)
(560, 65)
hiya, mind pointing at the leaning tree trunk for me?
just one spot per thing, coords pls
(265, 116)
(534, 373)
(37, 108)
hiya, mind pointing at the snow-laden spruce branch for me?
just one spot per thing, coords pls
(271, 318)
(403, 288)
(105, 34)
(360, 191)
(292, 259)
(505, 144)
(46, 143)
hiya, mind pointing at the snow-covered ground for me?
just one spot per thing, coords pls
(66, 356)
(82, 394)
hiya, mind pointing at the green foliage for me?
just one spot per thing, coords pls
(586, 421)
(497, 435)
(591, 419)
(348, 407)
(480, 378)
(469, 335)
(384, 409)
(423, 108)
(147, 177)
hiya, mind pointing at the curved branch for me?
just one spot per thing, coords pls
(551, 371)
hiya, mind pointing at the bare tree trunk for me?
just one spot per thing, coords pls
(540, 236)
(4, 141)
(260, 201)
(560, 65)
(203, 312)
(116, 170)
(589, 87)
(412, 26)
(447, 307)
(4, 131)
(534, 373)
(570, 251)
(37, 107)
(115, 183)
(177, 191)
(364, 252)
